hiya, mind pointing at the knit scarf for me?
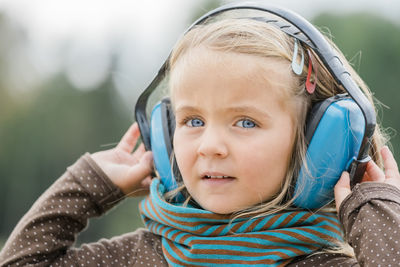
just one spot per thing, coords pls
(197, 237)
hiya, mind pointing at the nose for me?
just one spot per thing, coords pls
(213, 143)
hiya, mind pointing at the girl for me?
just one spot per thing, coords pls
(240, 107)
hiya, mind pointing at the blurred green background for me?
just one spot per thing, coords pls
(48, 120)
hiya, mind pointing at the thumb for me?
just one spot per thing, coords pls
(342, 189)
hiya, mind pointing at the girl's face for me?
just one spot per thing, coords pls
(234, 131)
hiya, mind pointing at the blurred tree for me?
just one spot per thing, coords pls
(10, 36)
(373, 45)
(43, 138)
(205, 7)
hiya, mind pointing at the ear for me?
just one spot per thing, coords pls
(335, 129)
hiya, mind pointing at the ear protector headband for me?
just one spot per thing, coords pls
(338, 130)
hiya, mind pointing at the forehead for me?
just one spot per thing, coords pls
(203, 70)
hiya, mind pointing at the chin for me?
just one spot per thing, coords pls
(219, 210)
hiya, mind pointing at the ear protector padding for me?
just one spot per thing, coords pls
(162, 125)
(335, 128)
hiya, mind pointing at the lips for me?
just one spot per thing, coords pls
(214, 175)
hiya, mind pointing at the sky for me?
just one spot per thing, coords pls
(78, 35)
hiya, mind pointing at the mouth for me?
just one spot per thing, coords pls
(216, 176)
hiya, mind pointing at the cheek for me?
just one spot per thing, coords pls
(183, 152)
(265, 173)
(178, 153)
(267, 159)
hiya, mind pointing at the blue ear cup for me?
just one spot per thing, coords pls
(162, 126)
(335, 130)
(161, 142)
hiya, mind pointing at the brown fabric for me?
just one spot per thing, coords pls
(371, 219)
(46, 234)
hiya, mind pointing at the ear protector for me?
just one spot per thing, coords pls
(338, 129)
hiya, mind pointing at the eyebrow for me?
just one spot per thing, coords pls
(236, 109)
(187, 109)
(250, 109)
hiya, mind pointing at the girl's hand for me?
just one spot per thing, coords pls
(372, 174)
(129, 171)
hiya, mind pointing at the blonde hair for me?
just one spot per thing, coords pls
(252, 37)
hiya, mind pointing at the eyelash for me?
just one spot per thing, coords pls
(188, 119)
(184, 121)
(247, 119)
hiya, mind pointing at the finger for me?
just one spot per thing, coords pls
(128, 141)
(146, 182)
(144, 168)
(374, 172)
(139, 151)
(366, 178)
(342, 189)
(134, 158)
(391, 169)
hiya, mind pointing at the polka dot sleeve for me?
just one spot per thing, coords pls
(325, 259)
(45, 234)
(371, 222)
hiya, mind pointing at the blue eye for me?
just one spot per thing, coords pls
(246, 124)
(195, 123)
